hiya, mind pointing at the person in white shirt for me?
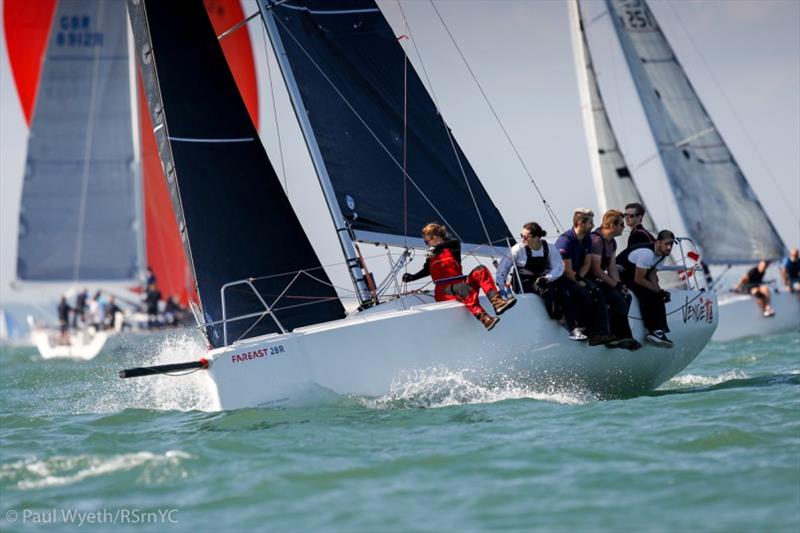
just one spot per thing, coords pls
(539, 269)
(638, 266)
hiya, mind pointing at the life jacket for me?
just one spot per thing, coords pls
(628, 267)
(534, 268)
(605, 258)
(444, 267)
(754, 277)
(640, 235)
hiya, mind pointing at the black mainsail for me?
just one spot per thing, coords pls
(235, 219)
(346, 65)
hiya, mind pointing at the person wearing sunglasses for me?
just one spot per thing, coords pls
(604, 277)
(443, 265)
(634, 214)
(638, 264)
(539, 270)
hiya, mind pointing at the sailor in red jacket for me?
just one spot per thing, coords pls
(443, 265)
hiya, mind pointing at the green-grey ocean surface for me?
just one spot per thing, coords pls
(715, 449)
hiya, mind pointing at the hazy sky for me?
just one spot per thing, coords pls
(521, 51)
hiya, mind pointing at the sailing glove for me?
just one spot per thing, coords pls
(665, 295)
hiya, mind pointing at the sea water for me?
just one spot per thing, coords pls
(715, 449)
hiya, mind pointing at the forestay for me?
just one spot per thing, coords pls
(80, 214)
(349, 68)
(612, 179)
(234, 217)
(719, 208)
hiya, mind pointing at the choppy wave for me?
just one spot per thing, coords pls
(441, 387)
(689, 380)
(66, 470)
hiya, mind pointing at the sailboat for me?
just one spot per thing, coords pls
(706, 180)
(95, 209)
(387, 164)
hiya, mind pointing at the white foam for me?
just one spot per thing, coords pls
(693, 379)
(185, 391)
(440, 387)
(66, 470)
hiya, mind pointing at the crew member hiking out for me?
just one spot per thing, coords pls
(604, 275)
(753, 283)
(634, 214)
(540, 270)
(790, 270)
(443, 265)
(574, 246)
(639, 263)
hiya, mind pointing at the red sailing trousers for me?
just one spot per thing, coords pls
(466, 290)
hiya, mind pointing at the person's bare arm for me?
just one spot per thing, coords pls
(640, 277)
(568, 272)
(598, 271)
(613, 271)
(587, 264)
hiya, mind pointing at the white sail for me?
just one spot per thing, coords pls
(612, 179)
(80, 217)
(718, 206)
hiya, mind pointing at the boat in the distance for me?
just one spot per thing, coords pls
(273, 321)
(707, 182)
(95, 210)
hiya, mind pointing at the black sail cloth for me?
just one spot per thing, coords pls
(235, 219)
(349, 68)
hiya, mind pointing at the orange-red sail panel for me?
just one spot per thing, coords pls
(26, 24)
(225, 14)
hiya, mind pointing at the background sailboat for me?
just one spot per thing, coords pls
(95, 210)
(720, 209)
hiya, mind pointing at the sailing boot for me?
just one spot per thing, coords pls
(501, 305)
(488, 321)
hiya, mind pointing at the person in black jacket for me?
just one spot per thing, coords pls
(753, 283)
(64, 310)
(634, 214)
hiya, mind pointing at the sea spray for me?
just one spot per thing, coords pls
(184, 391)
(442, 387)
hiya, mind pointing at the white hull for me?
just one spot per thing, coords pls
(83, 345)
(740, 316)
(366, 353)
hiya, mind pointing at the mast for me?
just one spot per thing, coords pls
(341, 226)
(613, 182)
(136, 135)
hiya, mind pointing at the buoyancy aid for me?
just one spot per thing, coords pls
(628, 268)
(608, 251)
(444, 267)
(443, 264)
(534, 268)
